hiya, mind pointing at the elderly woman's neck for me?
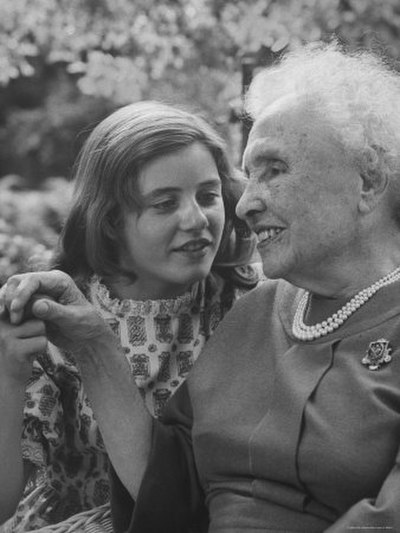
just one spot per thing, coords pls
(342, 282)
(327, 299)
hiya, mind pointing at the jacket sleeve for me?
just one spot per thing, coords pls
(375, 514)
(170, 498)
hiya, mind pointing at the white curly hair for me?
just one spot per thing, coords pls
(357, 92)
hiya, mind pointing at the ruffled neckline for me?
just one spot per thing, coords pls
(101, 294)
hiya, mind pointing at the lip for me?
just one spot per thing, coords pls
(268, 234)
(194, 246)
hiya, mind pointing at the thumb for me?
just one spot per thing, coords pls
(46, 309)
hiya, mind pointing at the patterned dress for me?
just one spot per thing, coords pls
(161, 340)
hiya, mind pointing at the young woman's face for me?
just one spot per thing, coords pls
(171, 243)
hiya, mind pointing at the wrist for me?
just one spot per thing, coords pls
(12, 391)
(15, 380)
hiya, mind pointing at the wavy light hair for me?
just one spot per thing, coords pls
(106, 182)
(358, 93)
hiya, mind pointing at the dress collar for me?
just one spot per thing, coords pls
(100, 294)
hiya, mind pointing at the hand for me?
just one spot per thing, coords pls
(71, 320)
(18, 346)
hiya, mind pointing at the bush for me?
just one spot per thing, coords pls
(30, 223)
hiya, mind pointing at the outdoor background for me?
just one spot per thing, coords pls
(66, 64)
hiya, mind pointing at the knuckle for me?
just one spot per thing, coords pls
(61, 278)
(59, 273)
(15, 279)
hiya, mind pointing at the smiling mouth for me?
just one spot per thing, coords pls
(267, 235)
(195, 246)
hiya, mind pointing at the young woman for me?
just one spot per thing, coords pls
(153, 242)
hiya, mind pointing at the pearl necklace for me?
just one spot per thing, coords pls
(309, 333)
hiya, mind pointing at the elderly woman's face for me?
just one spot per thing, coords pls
(302, 196)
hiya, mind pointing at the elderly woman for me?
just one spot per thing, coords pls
(296, 402)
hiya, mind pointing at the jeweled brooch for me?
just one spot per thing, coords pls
(378, 354)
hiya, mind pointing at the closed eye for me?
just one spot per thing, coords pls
(165, 205)
(278, 167)
(274, 168)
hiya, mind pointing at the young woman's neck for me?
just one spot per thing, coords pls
(124, 288)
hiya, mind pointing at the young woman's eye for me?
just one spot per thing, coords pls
(165, 205)
(209, 198)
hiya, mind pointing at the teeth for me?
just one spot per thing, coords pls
(268, 234)
(193, 246)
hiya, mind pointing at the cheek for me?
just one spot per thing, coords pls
(216, 216)
(146, 236)
(221, 223)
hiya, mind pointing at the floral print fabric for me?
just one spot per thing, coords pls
(162, 339)
(61, 440)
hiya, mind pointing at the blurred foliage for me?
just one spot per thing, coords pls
(65, 64)
(30, 222)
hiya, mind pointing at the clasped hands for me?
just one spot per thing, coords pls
(40, 306)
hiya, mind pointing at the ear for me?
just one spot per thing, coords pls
(373, 187)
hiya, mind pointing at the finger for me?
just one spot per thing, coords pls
(8, 291)
(28, 314)
(30, 328)
(17, 294)
(33, 345)
(21, 288)
(49, 310)
(55, 284)
(51, 283)
(2, 298)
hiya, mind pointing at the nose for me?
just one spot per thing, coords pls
(250, 203)
(193, 217)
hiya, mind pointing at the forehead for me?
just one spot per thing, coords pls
(190, 166)
(286, 128)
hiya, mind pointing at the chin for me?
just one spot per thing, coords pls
(197, 275)
(273, 271)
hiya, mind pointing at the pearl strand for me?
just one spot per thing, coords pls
(309, 333)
